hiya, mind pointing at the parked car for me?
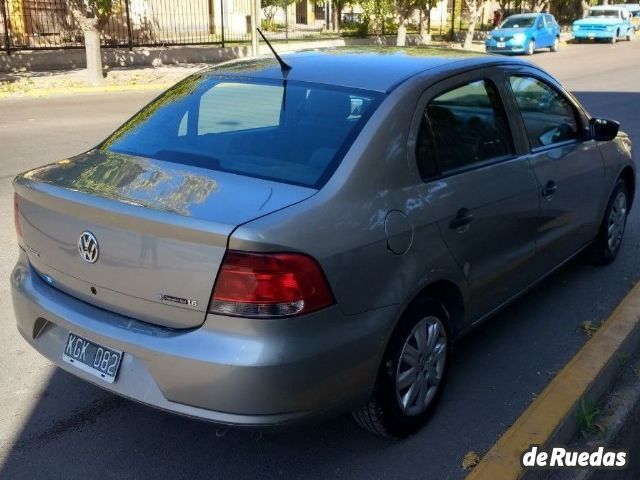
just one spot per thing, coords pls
(634, 14)
(607, 22)
(524, 33)
(260, 246)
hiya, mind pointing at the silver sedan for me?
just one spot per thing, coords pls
(261, 245)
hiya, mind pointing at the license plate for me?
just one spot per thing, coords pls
(501, 44)
(92, 358)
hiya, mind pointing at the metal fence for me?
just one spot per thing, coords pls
(48, 24)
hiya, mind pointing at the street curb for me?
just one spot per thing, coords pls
(551, 418)
(617, 429)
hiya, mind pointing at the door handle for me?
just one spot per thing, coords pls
(549, 190)
(463, 217)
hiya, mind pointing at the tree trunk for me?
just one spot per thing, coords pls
(401, 39)
(336, 19)
(585, 8)
(94, 57)
(425, 34)
(468, 38)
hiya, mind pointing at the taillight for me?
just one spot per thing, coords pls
(16, 214)
(267, 285)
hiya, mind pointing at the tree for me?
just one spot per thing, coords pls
(425, 20)
(476, 7)
(92, 15)
(338, 6)
(539, 5)
(404, 9)
(375, 13)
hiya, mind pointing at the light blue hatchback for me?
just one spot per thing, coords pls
(524, 33)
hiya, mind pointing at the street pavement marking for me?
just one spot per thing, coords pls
(559, 400)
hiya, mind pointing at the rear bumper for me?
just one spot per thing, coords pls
(592, 34)
(230, 370)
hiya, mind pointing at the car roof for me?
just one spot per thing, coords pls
(531, 14)
(367, 68)
(607, 7)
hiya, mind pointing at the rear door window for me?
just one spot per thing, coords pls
(548, 116)
(463, 127)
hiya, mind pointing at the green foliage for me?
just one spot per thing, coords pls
(93, 8)
(377, 14)
(586, 416)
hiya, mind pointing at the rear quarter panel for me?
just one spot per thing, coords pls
(343, 225)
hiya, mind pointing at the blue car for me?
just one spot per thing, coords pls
(525, 33)
(605, 22)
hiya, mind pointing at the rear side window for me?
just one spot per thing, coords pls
(463, 127)
(296, 134)
(548, 116)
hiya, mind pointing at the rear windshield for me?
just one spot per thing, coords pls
(603, 13)
(518, 22)
(294, 134)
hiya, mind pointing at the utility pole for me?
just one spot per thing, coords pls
(255, 19)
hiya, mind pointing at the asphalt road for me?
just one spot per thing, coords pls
(55, 426)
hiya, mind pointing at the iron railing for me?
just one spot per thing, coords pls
(49, 24)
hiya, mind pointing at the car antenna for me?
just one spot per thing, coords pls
(284, 66)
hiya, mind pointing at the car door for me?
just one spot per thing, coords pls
(476, 187)
(567, 164)
(552, 28)
(543, 35)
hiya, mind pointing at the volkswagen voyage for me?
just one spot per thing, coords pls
(259, 245)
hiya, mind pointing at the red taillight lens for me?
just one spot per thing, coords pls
(16, 214)
(269, 285)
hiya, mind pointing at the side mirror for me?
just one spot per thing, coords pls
(603, 130)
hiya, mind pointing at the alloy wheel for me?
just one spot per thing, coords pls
(617, 221)
(421, 366)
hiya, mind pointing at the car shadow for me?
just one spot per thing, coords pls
(77, 430)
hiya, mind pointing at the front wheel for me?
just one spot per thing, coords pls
(614, 38)
(412, 373)
(606, 245)
(556, 45)
(531, 47)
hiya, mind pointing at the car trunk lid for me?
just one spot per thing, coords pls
(161, 230)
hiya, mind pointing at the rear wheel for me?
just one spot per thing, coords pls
(412, 373)
(607, 244)
(630, 34)
(531, 47)
(556, 45)
(614, 38)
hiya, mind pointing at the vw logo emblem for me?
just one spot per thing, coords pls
(88, 247)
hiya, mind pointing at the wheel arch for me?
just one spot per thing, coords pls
(629, 177)
(449, 295)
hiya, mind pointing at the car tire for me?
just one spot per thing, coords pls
(613, 39)
(531, 47)
(630, 34)
(606, 245)
(556, 45)
(386, 414)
